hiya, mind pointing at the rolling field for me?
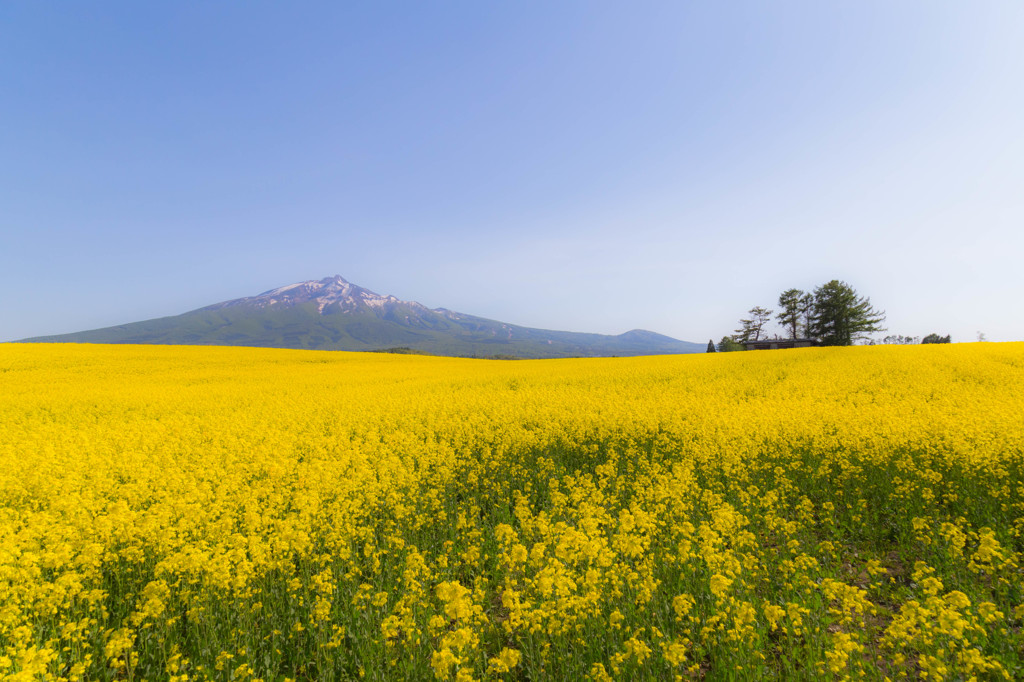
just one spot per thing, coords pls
(187, 513)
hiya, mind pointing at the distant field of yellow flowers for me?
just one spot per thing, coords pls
(191, 513)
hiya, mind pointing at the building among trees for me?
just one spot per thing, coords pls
(777, 344)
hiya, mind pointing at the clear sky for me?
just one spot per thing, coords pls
(586, 166)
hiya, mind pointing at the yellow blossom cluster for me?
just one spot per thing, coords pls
(188, 513)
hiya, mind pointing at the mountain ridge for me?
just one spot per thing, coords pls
(335, 314)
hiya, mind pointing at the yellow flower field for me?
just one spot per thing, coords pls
(192, 513)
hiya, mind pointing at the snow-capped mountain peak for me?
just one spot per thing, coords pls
(331, 291)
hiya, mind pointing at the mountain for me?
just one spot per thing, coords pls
(334, 314)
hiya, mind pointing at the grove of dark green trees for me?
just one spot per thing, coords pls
(834, 314)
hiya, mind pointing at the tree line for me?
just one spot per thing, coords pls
(900, 340)
(834, 314)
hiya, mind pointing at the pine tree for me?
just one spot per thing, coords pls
(750, 329)
(789, 316)
(841, 316)
(711, 346)
(807, 314)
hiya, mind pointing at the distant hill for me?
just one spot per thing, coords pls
(334, 314)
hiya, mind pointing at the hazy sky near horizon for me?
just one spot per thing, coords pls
(586, 166)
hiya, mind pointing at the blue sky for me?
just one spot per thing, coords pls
(588, 166)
